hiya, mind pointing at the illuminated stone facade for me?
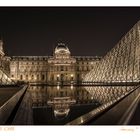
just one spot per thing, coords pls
(60, 68)
(120, 65)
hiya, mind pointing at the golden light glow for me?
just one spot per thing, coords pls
(71, 75)
(58, 87)
(71, 87)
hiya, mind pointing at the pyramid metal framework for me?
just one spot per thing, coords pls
(122, 63)
(4, 79)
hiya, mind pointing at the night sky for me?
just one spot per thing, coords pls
(86, 30)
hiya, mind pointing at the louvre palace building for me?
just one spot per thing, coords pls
(60, 68)
(119, 65)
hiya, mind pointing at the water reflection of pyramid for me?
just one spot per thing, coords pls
(122, 63)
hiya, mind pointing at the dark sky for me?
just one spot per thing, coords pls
(86, 30)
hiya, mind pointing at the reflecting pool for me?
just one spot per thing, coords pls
(60, 105)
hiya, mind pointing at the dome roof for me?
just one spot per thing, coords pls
(61, 48)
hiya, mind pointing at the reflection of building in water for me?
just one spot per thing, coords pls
(60, 92)
(38, 95)
(61, 105)
(41, 94)
(82, 95)
(59, 68)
